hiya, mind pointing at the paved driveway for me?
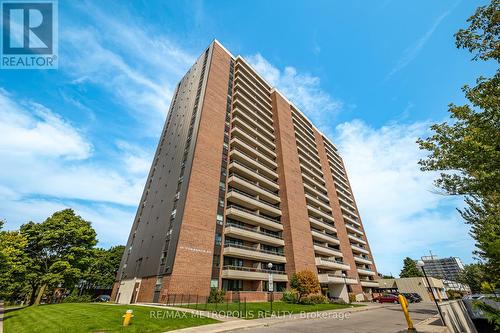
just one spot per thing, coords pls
(388, 319)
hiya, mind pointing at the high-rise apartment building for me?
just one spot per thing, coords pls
(443, 268)
(240, 179)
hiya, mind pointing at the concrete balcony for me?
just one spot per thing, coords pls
(253, 174)
(251, 235)
(301, 136)
(364, 271)
(336, 279)
(249, 273)
(240, 109)
(316, 202)
(315, 182)
(369, 284)
(316, 192)
(248, 120)
(363, 260)
(247, 216)
(354, 229)
(322, 225)
(324, 237)
(326, 251)
(253, 203)
(305, 162)
(252, 99)
(252, 187)
(254, 142)
(342, 199)
(358, 249)
(247, 252)
(347, 218)
(319, 213)
(255, 131)
(326, 263)
(254, 154)
(243, 69)
(260, 97)
(242, 103)
(356, 239)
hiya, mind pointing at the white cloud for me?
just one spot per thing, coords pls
(302, 89)
(137, 67)
(47, 163)
(32, 129)
(412, 52)
(400, 209)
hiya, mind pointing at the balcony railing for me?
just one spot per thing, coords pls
(252, 269)
(249, 248)
(253, 197)
(253, 183)
(253, 170)
(229, 224)
(253, 213)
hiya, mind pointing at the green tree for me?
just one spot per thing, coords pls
(60, 249)
(14, 265)
(103, 267)
(305, 283)
(472, 275)
(410, 269)
(466, 149)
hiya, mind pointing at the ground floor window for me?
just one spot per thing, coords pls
(232, 285)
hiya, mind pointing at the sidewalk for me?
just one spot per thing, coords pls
(230, 324)
(1, 317)
(431, 325)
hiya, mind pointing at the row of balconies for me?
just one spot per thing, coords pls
(252, 202)
(254, 78)
(248, 252)
(332, 264)
(241, 82)
(250, 273)
(252, 235)
(240, 108)
(250, 127)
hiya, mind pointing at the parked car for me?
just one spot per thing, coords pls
(103, 298)
(389, 298)
(412, 297)
(417, 296)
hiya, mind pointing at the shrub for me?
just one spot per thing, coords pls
(289, 296)
(78, 299)
(305, 283)
(338, 301)
(352, 298)
(314, 299)
(216, 296)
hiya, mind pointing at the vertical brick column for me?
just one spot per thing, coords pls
(192, 269)
(345, 246)
(299, 249)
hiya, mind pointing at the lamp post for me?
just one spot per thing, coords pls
(345, 283)
(270, 283)
(421, 264)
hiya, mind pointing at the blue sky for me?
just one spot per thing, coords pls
(371, 75)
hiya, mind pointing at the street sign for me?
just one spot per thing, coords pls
(271, 282)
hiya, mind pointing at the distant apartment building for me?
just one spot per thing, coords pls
(240, 179)
(443, 268)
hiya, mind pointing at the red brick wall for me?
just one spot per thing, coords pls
(192, 269)
(299, 249)
(146, 289)
(114, 291)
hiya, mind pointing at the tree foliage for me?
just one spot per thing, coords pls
(472, 275)
(59, 252)
(305, 283)
(410, 269)
(466, 149)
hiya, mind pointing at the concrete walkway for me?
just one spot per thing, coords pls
(236, 324)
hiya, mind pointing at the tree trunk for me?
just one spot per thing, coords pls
(40, 293)
(32, 297)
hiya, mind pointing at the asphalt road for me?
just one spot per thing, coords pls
(389, 319)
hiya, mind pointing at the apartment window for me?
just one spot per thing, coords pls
(222, 186)
(220, 219)
(216, 261)
(218, 239)
(232, 285)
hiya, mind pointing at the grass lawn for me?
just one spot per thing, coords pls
(94, 317)
(263, 309)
